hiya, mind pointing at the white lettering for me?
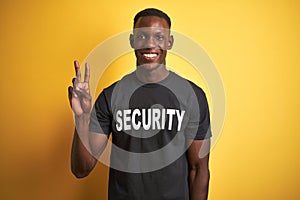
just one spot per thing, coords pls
(135, 125)
(146, 126)
(119, 120)
(127, 119)
(163, 118)
(155, 118)
(170, 112)
(180, 118)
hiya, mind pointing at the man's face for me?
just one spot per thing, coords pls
(151, 39)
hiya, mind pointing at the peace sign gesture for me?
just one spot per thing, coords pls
(79, 95)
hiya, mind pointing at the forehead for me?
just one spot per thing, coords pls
(151, 22)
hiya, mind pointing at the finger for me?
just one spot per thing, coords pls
(70, 94)
(77, 70)
(75, 83)
(73, 93)
(85, 95)
(81, 93)
(76, 66)
(87, 73)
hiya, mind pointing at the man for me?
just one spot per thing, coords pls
(146, 111)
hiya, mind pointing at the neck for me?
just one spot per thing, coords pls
(152, 76)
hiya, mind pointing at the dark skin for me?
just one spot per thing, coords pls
(151, 35)
(151, 39)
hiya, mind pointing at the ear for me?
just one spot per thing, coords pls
(131, 40)
(170, 42)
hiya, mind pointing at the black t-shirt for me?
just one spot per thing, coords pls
(151, 124)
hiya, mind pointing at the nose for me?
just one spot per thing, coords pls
(150, 42)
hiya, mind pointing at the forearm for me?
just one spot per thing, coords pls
(199, 183)
(82, 162)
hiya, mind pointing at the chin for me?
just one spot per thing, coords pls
(150, 66)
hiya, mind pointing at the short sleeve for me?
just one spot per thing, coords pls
(101, 117)
(198, 127)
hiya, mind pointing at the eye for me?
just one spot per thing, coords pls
(140, 37)
(160, 37)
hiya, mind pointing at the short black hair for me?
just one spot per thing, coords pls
(152, 12)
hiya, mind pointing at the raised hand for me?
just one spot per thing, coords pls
(79, 95)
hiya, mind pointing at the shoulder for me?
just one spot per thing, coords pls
(110, 88)
(197, 89)
(115, 87)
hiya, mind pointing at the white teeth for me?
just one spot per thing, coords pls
(150, 55)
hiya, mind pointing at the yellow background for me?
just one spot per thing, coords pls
(254, 44)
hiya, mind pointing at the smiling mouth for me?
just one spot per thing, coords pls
(150, 55)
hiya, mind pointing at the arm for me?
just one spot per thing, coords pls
(198, 157)
(87, 146)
